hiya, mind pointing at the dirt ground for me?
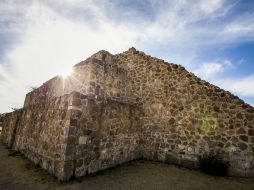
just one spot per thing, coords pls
(16, 172)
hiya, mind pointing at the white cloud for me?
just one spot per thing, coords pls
(241, 86)
(210, 70)
(241, 29)
(188, 23)
(177, 23)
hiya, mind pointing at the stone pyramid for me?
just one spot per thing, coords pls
(117, 108)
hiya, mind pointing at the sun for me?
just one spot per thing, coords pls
(65, 72)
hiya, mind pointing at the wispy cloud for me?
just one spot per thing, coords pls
(241, 86)
(210, 70)
(215, 71)
(242, 28)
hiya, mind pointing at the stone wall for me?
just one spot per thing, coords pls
(116, 108)
(104, 134)
(1, 122)
(186, 117)
(40, 132)
(75, 134)
(9, 123)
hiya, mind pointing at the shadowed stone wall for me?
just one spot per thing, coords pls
(1, 122)
(104, 134)
(9, 123)
(116, 108)
(40, 132)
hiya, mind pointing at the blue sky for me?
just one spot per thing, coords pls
(40, 39)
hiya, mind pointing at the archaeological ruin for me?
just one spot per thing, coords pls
(117, 108)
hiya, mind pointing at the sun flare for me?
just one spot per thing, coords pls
(66, 72)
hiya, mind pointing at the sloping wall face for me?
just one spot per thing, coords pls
(185, 117)
(129, 106)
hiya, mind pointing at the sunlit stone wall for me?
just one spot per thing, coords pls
(127, 106)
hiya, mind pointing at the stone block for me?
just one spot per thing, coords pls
(189, 163)
(251, 132)
(83, 140)
(242, 146)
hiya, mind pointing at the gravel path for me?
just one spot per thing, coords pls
(16, 172)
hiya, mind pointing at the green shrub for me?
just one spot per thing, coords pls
(213, 164)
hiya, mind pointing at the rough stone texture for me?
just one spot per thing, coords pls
(1, 122)
(116, 108)
(105, 134)
(38, 132)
